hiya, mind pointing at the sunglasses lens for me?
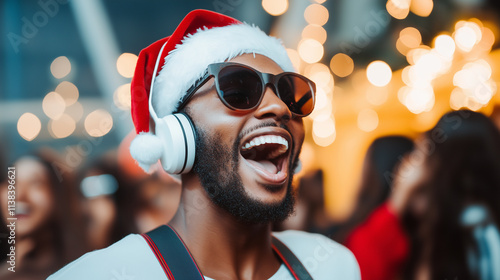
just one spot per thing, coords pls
(297, 93)
(239, 87)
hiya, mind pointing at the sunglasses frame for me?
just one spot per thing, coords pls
(266, 79)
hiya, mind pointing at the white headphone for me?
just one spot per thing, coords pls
(176, 133)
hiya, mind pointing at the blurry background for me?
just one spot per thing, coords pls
(382, 67)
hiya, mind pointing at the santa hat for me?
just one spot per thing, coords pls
(202, 38)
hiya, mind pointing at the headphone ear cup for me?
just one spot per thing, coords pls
(179, 143)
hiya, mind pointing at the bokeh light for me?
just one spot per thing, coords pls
(376, 96)
(467, 34)
(75, 111)
(310, 50)
(315, 32)
(68, 91)
(98, 123)
(125, 64)
(324, 131)
(342, 65)
(275, 7)
(444, 45)
(320, 74)
(28, 126)
(62, 127)
(417, 100)
(316, 14)
(410, 37)
(422, 8)
(379, 73)
(398, 9)
(60, 67)
(367, 120)
(53, 105)
(122, 97)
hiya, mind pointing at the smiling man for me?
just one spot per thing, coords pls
(219, 102)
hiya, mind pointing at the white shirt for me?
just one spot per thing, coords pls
(132, 259)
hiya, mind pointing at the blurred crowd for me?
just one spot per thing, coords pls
(427, 208)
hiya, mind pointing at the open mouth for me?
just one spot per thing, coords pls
(22, 209)
(268, 154)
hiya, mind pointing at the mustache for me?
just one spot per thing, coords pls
(262, 125)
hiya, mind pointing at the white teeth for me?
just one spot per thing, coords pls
(268, 139)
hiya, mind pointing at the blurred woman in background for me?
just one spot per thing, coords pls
(441, 220)
(46, 230)
(381, 159)
(107, 201)
(448, 195)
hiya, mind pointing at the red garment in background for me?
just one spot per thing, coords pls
(379, 244)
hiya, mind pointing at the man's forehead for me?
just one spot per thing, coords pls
(259, 62)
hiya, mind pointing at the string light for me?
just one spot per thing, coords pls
(342, 65)
(379, 73)
(310, 50)
(125, 64)
(367, 120)
(60, 67)
(98, 123)
(62, 127)
(422, 8)
(398, 9)
(315, 32)
(123, 97)
(275, 7)
(28, 126)
(444, 45)
(68, 91)
(53, 105)
(316, 14)
(324, 131)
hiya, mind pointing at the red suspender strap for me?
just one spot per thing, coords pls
(159, 257)
(291, 261)
(169, 249)
(177, 262)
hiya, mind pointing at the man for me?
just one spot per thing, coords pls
(226, 115)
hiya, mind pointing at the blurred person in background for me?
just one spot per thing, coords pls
(441, 220)
(46, 230)
(382, 158)
(310, 213)
(107, 201)
(157, 199)
(448, 194)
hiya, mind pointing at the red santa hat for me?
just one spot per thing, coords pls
(202, 38)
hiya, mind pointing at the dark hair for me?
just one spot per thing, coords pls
(463, 167)
(123, 198)
(64, 224)
(381, 159)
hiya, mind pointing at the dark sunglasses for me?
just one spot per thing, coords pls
(242, 88)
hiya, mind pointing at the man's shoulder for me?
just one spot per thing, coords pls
(128, 258)
(320, 255)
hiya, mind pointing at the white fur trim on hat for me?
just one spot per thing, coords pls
(189, 60)
(146, 149)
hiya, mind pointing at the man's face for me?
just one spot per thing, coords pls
(245, 160)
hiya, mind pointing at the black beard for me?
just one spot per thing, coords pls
(217, 168)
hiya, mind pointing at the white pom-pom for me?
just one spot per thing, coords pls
(146, 149)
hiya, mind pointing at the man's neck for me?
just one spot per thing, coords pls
(223, 246)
